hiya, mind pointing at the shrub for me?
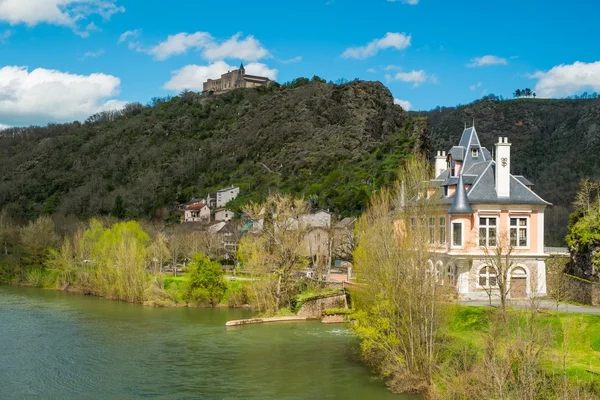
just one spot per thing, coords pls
(205, 281)
(237, 294)
(35, 277)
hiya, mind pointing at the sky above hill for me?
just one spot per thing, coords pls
(63, 60)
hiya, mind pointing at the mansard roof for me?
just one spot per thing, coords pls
(479, 171)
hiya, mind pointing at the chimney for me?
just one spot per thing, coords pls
(440, 163)
(503, 167)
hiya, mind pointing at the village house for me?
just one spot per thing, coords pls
(224, 215)
(485, 206)
(197, 212)
(224, 196)
(233, 80)
(317, 237)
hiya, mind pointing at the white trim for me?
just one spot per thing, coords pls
(487, 277)
(540, 231)
(462, 235)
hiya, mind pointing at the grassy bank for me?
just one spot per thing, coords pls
(563, 347)
(165, 290)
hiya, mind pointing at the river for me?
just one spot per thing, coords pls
(56, 345)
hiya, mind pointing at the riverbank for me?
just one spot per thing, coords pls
(168, 291)
(67, 346)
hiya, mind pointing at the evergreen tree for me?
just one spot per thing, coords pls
(118, 210)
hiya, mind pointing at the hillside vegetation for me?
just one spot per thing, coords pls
(332, 144)
(555, 144)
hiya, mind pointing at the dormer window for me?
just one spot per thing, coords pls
(474, 152)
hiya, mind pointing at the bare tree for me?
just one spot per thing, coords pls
(398, 308)
(500, 262)
(559, 288)
(275, 250)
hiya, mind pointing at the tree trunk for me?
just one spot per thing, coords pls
(278, 292)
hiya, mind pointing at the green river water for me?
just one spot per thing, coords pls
(56, 345)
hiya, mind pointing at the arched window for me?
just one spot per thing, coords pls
(451, 274)
(439, 273)
(488, 277)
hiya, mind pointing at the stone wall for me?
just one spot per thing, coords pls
(314, 309)
(582, 291)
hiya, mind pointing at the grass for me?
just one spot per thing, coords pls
(317, 294)
(468, 326)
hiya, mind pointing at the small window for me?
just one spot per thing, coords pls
(457, 234)
(474, 152)
(446, 191)
(442, 226)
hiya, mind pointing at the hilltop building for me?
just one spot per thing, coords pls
(233, 80)
(483, 206)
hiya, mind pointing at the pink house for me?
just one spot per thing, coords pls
(485, 206)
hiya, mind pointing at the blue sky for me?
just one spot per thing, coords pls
(62, 60)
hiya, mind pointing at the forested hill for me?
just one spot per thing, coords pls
(555, 143)
(333, 144)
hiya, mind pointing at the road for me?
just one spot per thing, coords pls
(543, 304)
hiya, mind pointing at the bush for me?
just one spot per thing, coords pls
(237, 294)
(205, 281)
(35, 277)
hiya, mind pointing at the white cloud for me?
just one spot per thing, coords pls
(372, 71)
(487, 60)
(248, 49)
(405, 104)
(291, 60)
(478, 85)
(93, 54)
(411, 2)
(43, 94)
(56, 12)
(5, 35)
(179, 44)
(193, 76)
(568, 79)
(3, 127)
(129, 34)
(414, 77)
(398, 41)
(392, 68)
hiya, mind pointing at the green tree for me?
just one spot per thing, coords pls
(118, 210)
(38, 238)
(120, 259)
(205, 280)
(517, 93)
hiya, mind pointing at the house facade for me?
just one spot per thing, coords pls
(197, 212)
(224, 215)
(224, 196)
(483, 208)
